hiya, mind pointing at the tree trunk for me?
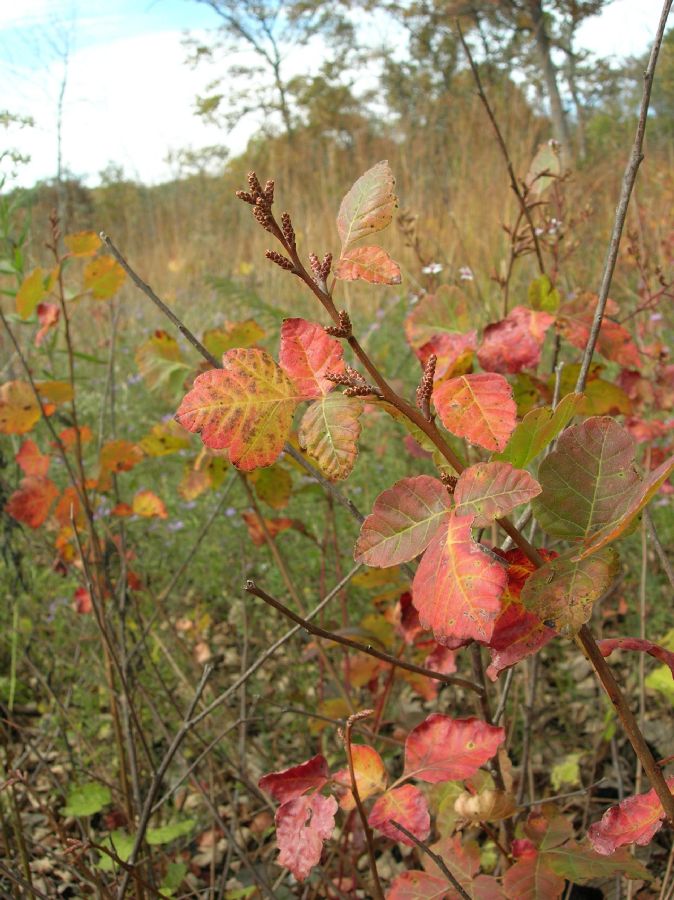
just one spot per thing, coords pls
(559, 121)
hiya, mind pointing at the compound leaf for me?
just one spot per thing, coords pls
(478, 407)
(403, 521)
(246, 407)
(368, 206)
(329, 432)
(458, 585)
(490, 490)
(446, 749)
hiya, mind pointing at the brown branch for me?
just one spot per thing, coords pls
(629, 177)
(159, 303)
(252, 588)
(378, 892)
(438, 860)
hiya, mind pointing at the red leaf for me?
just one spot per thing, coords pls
(31, 503)
(306, 354)
(372, 264)
(530, 879)
(518, 633)
(406, 805)
(274, 526)
(478, 407)
(247, 407)
(515, 342)
(403, 521)
(454, 354)
(490, 490)
(447, 312)
(302, 825)
(31, 460)
(441, 659)
(297, 780)
(47, 315)
(634, 821)
(417, 886)
(458, 585)
(446, 749)
(614, 342)
(409, 626)
(666, 656)
(83, 602)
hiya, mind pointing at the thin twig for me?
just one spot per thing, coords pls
(182, 732)
(504, 151)
(252, 588)
(629, 177)
(438, 860)
(357, 717)
(659, 549)
(269, 652)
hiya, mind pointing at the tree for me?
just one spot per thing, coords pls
(268, 32)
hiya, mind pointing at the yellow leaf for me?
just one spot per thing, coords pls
(19, 410)
(103, 277)
(30, 293)
(82, 243)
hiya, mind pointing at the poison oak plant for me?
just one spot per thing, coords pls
(512, 417)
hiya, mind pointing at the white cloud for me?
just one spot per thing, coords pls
(127, 102)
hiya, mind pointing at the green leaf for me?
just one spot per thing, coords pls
(580, 864)
(587, 481)
(562, 592)
(566, 773)
(87, 799)
(120, 843)
(537, 430)
(660, 680)
(175, 873)
(542, 294)
(167, 833)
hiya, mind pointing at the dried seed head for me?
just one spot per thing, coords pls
(343, 330)
(326, 265)
(449, 481)
(246, 197)
(263, 216)
(254, 185)
(279, 259)
(268, 192)
(287, 230)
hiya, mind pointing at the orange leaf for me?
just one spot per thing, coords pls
(246, 407)
(31, 503)
(47, 315)
(149, 505)
(120, 456)
(446, 749)
(478, 407)
(372, 264)
(31, 460)
(370, 773)
(406, 805)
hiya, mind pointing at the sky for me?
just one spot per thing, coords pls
(129, 95)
